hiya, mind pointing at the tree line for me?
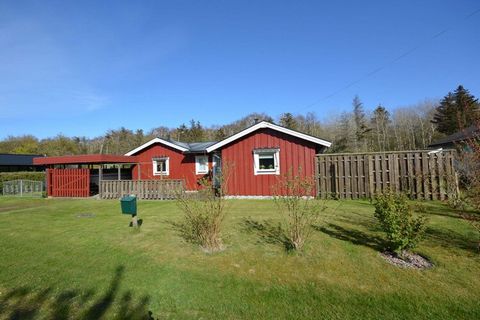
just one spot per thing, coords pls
(359, 130)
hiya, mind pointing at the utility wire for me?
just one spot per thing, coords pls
(391, 62)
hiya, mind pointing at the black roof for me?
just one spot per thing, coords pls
(194, 147)
(468, 133)
(8, 159)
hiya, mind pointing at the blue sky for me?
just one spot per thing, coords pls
(82, 67)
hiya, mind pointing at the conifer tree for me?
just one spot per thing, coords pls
(456, 111)
(344, 140)
(380, 122)
(361, 127)
(287, 120)
(196, 133)
(220, 134)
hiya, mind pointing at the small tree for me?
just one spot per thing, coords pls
(403, 230)
(205, 212)
(293, 198)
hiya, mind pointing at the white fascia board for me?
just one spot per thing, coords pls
(264, 124)
(153, 141)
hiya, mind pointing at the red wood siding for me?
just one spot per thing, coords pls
(68, 182)
(181, 166)
(295, 153)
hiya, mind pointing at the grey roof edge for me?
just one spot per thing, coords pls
(465, 134)
(193, 146)
(12, 159)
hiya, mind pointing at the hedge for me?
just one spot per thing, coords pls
(7, 176)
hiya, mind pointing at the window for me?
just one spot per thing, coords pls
(161, 166)
(201, 164)
(266, 161)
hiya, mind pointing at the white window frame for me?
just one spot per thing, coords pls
(167, 166)
(256, 161)
(198, 170)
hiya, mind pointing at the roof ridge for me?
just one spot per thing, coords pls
(209, 146)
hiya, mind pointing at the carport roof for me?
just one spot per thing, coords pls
(85, 159)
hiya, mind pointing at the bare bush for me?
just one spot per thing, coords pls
(293, 198)
(468, 166)
(204, 213)
(469, 169)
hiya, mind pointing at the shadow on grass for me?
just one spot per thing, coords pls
(353, 236)
(139, 223)
(443, 211)
(268, 232)
(182, 230)
(443, 237)
(448, 238)
(26, 303)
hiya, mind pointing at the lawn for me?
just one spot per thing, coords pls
(79, 259)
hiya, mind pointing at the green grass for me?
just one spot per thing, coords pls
(55, 264)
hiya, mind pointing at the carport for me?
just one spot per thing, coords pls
(80, 175)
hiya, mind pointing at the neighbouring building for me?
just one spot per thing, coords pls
(458, 140)
(19, 162)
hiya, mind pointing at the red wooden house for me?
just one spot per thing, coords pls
(256, 157)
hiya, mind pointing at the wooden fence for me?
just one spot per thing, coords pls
(68, 182)
(143, 189)
(420, 174)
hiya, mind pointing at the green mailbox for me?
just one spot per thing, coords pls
(129, 205)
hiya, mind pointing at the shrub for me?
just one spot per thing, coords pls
(204, 213)
(468, 167)
(403, 230)
(293, 198)
(22, 175)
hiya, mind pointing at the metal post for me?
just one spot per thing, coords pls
(21, 188)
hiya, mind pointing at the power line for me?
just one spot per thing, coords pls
(391, 62)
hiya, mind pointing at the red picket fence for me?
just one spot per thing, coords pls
(68, 182)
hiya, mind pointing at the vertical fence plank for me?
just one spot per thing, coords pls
(432, 168)
(418, 176)
(340, 165)
(441, 177)
(426, 185)
(322, 177)
(348, 185)
(378, 174)
(371, 190)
